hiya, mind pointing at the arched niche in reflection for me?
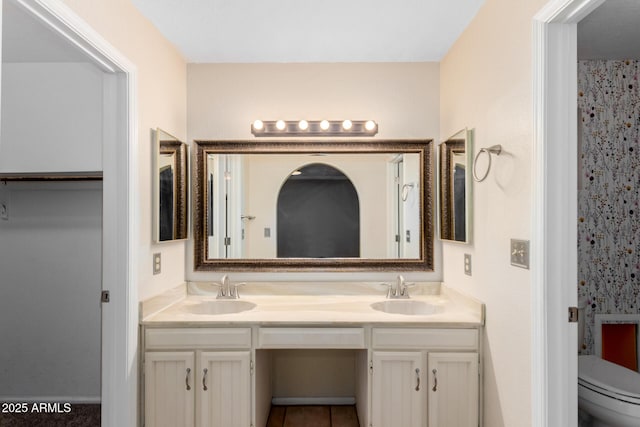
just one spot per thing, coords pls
(318, 214)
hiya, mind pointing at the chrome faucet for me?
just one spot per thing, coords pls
(400, 290)
(227, 290)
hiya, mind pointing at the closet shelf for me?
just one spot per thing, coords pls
(51, 176)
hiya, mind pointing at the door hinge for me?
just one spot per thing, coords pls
(251, 367)
(105, 296)
(371, 366)
(227, 241)
(573, 314)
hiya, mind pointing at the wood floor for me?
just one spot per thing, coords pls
(313, 416)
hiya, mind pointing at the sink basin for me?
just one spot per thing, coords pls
(219, 307)
(407, 307)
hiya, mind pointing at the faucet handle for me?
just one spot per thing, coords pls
(234, 291)
(220, 289)
(389, 289)
(405, 289)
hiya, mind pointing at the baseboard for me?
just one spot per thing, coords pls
(286, 401)
(78, 400)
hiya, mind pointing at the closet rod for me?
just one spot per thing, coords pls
(70, 176)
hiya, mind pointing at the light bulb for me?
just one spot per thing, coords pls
(324, 125)
(370, 125)
(280, 124)
(346, 125)
(296, 172)
(303, 125)
(258, 125)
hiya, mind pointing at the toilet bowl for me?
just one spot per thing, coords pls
(608, 392)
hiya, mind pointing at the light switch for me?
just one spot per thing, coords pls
(267, 232)
(520, 253)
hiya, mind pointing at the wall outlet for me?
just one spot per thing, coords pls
(467, 264)
(520, 253)
(157, 263)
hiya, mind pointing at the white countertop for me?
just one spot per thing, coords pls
(305, 304)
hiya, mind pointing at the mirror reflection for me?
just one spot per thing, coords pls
(170, 192)
(310, 208)
(455, 187)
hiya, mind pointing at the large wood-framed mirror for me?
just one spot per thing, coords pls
(455, 187)
(313, 205)
(171, 185)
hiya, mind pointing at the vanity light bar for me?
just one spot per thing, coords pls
(314, 128)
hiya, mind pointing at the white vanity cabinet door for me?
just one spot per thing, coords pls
(397, 395)
(453, 389)
(169, 389)
(224, 389)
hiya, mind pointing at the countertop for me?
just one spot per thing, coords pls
(318, 304)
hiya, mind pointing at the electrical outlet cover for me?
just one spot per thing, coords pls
(467, 264)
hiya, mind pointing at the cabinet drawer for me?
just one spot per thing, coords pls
(311, 338)
(436, 339)
(182, 338)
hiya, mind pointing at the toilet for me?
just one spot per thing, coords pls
(608, 392)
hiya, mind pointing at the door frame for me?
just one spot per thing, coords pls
(554, 390)
(119, 376)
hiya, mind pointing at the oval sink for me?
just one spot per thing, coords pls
(220, 307)
(407, 307)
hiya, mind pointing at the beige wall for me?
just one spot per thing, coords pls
(223, 100)
(486, 85)
(161, 103)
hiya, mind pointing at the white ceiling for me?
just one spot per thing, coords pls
(612, 31)
(248, 31)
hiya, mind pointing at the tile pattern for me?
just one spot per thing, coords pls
(608, 189)
(313, 416)
(80, 416)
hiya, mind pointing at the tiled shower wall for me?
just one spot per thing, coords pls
(608, 189)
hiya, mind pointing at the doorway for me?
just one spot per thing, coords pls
(117, 348)
(554, 254)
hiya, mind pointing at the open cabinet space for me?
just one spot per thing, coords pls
(325, 379)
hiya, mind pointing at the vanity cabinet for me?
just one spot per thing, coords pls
(424, 377)
(397, 391)
(169, 391)
(222, 377)
(208, 385)
(453, 389)
(225, 390)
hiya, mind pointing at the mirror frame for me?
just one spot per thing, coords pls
(461, 141)
(204, 147)
(181, 214)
